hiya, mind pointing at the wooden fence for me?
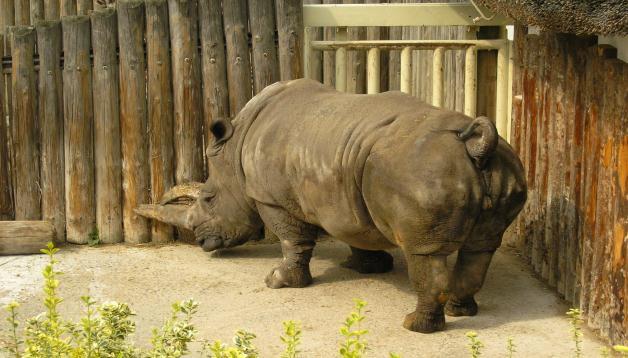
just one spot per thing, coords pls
(570, 128)
(106, 106)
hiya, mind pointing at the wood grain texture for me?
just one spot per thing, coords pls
(186, 80)
(7, 18)
(25, 129)
(36, 11)
(133, 119)
(25, 237)
(265, 63)
(78, 132)
(356, 60)
(52, 9)
(67, 8)
(316, 60)
(6, 191)
(108, 156)
(290, 31)
(22, 12)
(49, 38)
(160, 110)
(238, 64)
(83, 7)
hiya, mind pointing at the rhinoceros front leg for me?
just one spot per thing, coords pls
(297, 243)
(429, 276)
(367, 261)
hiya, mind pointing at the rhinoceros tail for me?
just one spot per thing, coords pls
(480, 138)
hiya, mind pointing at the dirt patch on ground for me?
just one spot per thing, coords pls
(230, 287)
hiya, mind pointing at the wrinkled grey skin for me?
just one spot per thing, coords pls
(375, 171)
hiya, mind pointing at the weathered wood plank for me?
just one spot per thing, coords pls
(160, 109)
(108, 161)
(52, 9)
(238, 64)
(6, 198)
(49, 38)
(25, 237)
(290, 30)
(7, 18)
(67, 8)
(356, 60)
(78, 130)
(265, 63)
(214, 64)
(22, 12)
(26, 129)
(83, 7)
(329, 57)
(316, 60)
(36, 11)
(186, 80)
(133, 119)
(487, 74)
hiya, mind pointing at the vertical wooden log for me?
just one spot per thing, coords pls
(265, 65)
(52, 10)
(51, 122)
(160, 109)
(470, 82)
(487, 65)
(36, 11)
(78, 131)
(107, 126)
(6, 200)
(316, 58)
(215, 87)
(7, 18)
(238, 64)
(67, 8)
(83, 7)
(188, 140)
(405, 78)
(329, 57)
(373, 69)
(25, 128)
(379, 33)
(437, 77)
(356, 60)
(394, 57)
(290, 29)
(135, 172)
(22, 12)
(341, 61)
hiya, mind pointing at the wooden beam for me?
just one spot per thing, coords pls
(401, 44)
(422, 14)
(25, 237)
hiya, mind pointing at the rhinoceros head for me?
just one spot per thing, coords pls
(217, 211)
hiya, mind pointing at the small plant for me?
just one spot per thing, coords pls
(510, 348)
(291, 339)
(93, 239)
(622, 350)
(475, 345)
(354, 346)
(13, 346)
(177, 332)
(575, 319)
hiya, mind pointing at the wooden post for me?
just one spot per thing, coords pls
(316, 57)
(107, 126)
(405, 78)
(7, 18)
(373, 75)
(67, 8)
(215, 88)
(135, 172)
(290, 29)
(83, 7)
(394, 57)
(25, 129)
(25, 237)
(6, 200)
(238, 64)
(188, 141)
(78, 131)
(22, 12)
(501, 101)
(51, 123)
(341, 61)
(160, 115)
(470, 81)
(486, 67)
(52, 9)
(262, 21)
(356, 59)
(36, 11)
(437, 77)
(329, 57)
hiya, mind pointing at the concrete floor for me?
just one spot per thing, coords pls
(230, 287)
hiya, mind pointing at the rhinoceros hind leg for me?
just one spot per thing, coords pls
(366, 261)
(467, 279)
(297, 244)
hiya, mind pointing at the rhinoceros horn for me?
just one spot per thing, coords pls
(174, 206)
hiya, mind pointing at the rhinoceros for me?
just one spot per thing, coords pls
(374, 171)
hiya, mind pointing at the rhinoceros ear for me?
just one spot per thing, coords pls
(222, 130)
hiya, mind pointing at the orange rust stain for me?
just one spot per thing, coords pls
(619, 255)
(622, 166)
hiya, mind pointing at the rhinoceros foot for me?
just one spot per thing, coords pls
(284, 276)
(424, 322)
(456, 308)
(364, 261)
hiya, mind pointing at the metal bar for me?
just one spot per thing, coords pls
(470, 82)
(422, 14)
(372, 71)
(307, 52)
(406, 70)
(437, 77)
(501, 112)
(341, 61)
(401, 44)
